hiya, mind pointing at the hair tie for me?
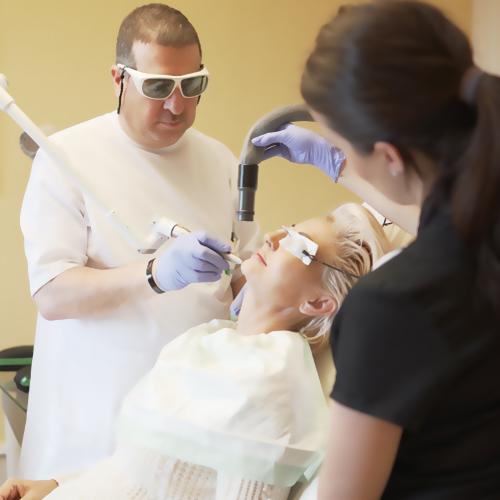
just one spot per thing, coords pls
(469, 83)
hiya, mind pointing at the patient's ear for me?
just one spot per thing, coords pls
(322, 306)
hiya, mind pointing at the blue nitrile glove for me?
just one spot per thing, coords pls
(299, 145)
(191, 258)
(235, 307)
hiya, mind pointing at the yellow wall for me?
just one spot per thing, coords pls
(57, 56)
(486, 35)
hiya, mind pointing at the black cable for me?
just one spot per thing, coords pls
(122, 76)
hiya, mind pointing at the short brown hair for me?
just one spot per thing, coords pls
(154, 22)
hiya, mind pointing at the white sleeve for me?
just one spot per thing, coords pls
(53, 223)
(229, 488)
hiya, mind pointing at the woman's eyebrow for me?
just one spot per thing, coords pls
(303, 234)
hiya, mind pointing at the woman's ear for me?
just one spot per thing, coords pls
(391, 156)
(322, 306)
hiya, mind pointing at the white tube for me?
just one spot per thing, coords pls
(59, 158)
(5, 98)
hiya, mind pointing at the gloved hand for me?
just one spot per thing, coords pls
(300, 145)
(235, 307)
(191, 258)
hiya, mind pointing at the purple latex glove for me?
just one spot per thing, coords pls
(235, 307)
(299, 145)
(191, 258)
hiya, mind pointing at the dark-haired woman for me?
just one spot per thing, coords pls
(416, 401)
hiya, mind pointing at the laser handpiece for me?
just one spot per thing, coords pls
(170, 229)
(251, 155)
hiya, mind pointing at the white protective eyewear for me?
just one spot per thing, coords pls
(161, 87)
(305, 249)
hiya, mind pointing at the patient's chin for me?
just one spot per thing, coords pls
(246, 268)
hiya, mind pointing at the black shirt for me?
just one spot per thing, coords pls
(412, 346)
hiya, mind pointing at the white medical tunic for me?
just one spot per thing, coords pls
(83, 368)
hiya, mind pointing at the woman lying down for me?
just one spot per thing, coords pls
(236, 410)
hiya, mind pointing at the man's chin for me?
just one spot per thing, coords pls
(168, 136)
(173, 125)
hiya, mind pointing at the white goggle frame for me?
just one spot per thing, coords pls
(138, 77)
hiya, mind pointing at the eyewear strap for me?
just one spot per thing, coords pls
(315, 259)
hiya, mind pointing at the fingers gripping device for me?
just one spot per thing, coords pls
(251, 155)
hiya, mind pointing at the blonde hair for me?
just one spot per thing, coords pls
(359, 242)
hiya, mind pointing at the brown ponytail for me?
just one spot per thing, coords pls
(476, 193)
(393, 70)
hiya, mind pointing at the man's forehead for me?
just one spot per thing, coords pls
(153, 53)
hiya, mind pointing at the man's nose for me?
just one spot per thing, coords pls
(175, 103)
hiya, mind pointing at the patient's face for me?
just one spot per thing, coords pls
(280, 276)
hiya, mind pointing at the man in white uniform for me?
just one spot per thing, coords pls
(102, 319)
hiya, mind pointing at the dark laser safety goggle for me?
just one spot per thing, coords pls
(161, 87)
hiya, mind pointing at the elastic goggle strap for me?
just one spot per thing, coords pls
(122, 76)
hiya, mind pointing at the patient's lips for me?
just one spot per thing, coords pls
(259, 256)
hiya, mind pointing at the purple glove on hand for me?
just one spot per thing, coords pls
(299, 145)
(191, 258)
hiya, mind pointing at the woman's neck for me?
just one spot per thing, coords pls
(257, 316)
(426, 175)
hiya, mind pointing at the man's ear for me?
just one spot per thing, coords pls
(322, 306)
(392, 157)
(116, 76)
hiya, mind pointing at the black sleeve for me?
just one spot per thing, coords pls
(391, 363)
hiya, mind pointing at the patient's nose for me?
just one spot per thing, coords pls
(273, 239)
